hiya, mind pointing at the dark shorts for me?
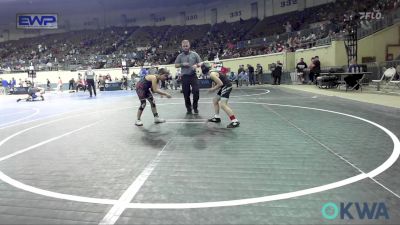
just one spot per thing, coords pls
(33, 95)
(143, 93)
(225, 91)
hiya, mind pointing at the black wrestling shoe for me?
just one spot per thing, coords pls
(195, 112)
(189, 112)
(19, 100)
(233, 124)
(215, 120)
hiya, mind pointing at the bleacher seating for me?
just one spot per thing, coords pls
(160, 44)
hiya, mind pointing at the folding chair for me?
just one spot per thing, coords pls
(387, 76)
(359, 83)
(396, 83)
(396, 78)
(378, 82)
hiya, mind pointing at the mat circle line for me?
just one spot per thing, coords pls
(380, 169)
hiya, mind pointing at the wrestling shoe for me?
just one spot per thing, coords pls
(233, 124)
(215, 120)
(158, 120)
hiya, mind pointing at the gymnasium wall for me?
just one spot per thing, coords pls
(196, 15)
(394, 50)
(264, 60)
(330, 55)
(376, 44)
(325, 54)
(312, 3)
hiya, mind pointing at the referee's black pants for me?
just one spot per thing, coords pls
(190, 81)
(90, 84)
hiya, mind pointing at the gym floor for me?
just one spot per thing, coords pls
(72, 159)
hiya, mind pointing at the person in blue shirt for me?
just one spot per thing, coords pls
(234, 78)
(351, 80)
(12, 83)
(4, 84)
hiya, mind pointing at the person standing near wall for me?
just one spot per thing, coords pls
(241, 69)
(48, 84)
(315, 69)
(188, 61)
(259, 71)
(278, 73)
(13, 83)
(59, 84)
(251, 74)
(71, 84)
(300, 67)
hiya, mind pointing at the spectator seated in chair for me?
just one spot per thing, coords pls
(351, 80)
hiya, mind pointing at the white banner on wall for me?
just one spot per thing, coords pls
(285, 6)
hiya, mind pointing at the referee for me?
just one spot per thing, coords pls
(89, 78)
(188, 61)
